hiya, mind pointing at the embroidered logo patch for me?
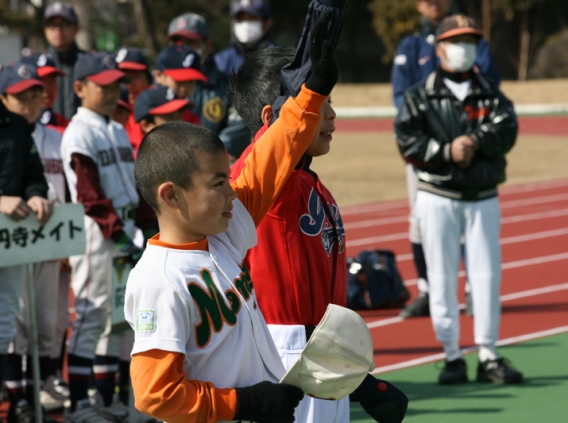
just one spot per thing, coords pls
(146, 320)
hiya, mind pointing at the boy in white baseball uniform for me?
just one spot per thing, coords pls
(456, 128)
(202, 350)
(98, 162)
(27, 102)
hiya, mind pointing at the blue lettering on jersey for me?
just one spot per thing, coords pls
(315, 222)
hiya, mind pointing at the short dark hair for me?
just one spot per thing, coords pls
(169, 153)
(257, 83)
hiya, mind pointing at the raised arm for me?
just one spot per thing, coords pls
(275, 155)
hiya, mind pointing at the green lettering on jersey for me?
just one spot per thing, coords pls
(244, 283)
(213, 308)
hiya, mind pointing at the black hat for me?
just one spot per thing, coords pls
(62, 10)
(181, 63)
(130, 58)
(19, 77)
(43, 62)
(157, 100)
(189, 25)
(455, 25)
(98, 67)
(253, 7)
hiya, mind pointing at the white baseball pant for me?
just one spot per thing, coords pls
(92, 285)
(11, 282)
(46, 284)
(290, 340)
(443, 222)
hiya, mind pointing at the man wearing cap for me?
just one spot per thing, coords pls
(99, 166)
(23, 190)
(456, 128)
(415, 59)
(251, 31)
(132, 62)
(210, 97)
(60, 26)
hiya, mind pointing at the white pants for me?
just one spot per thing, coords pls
(46, 286)
(92, 286)
(290, 340)
(11, 282)
(443, 222)
(412, 187)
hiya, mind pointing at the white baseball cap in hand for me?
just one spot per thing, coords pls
(336, 359)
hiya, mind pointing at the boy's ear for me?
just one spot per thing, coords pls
(3, 99)
(78, 87)
(157, 75)
(266, 114)
(168, 196)
(146, 126)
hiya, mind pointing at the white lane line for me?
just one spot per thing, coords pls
(503, 241)
(441, 356)
(506, 220)
(503, 298)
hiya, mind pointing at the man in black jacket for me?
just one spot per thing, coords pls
(60, 26)
(456, 128)
(23, 190)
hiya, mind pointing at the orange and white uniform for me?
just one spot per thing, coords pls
(198, 330)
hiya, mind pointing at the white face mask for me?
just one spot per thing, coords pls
(248, 31)
(460, 57)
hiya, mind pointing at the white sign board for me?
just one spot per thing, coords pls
(26, 241)
(121, 267)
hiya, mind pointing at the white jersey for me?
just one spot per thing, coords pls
(48, 143)
(202, 304)
(107, 144)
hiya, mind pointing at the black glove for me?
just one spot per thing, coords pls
(381, 400)
(323, 71)
(268, 402)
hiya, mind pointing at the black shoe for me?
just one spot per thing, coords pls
(419, 307)
(498, 371)
(454, 372)
(21, 413)
(468, 304)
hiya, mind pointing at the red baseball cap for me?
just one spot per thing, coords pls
(44, 64)
(19, 77)
(157, 100)
(99, 68)
(181, 63)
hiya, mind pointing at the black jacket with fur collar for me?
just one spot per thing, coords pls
(431, 117)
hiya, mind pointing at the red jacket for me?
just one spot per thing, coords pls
(299, 265)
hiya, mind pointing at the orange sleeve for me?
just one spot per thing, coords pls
(275, 155)
(162, 390)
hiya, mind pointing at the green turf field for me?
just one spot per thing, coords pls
(543, 397)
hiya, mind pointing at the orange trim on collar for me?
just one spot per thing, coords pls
(202, 245)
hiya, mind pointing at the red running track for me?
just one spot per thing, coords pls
(528, 125)
(534, 239)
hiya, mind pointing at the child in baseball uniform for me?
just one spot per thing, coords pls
(456, 128)
(202, 350)
(156, 106)
(21, 93)
(99, 166)
(299, 265)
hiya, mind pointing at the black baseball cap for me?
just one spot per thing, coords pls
(181, 63)
(19, 77)
(61, 9)
(252, 7)
(189, 25)
(130, 58)
(455, 25)
(157, 100)
(44, 64)
(98, 67)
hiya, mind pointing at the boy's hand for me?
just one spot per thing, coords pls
(323, 71)
(15, 207)
(462, 151)
(42, 207)
(268, 402)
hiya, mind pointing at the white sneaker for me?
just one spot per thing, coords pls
(54, 395)
(84, 413)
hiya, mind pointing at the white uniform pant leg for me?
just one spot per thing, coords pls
(290, 340)
(62, 312)
(412, 187)
(46, 283)
(91, 284)
(483, 261)
(11, 282)
(441, 223)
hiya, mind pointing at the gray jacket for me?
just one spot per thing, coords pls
(67, 101)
